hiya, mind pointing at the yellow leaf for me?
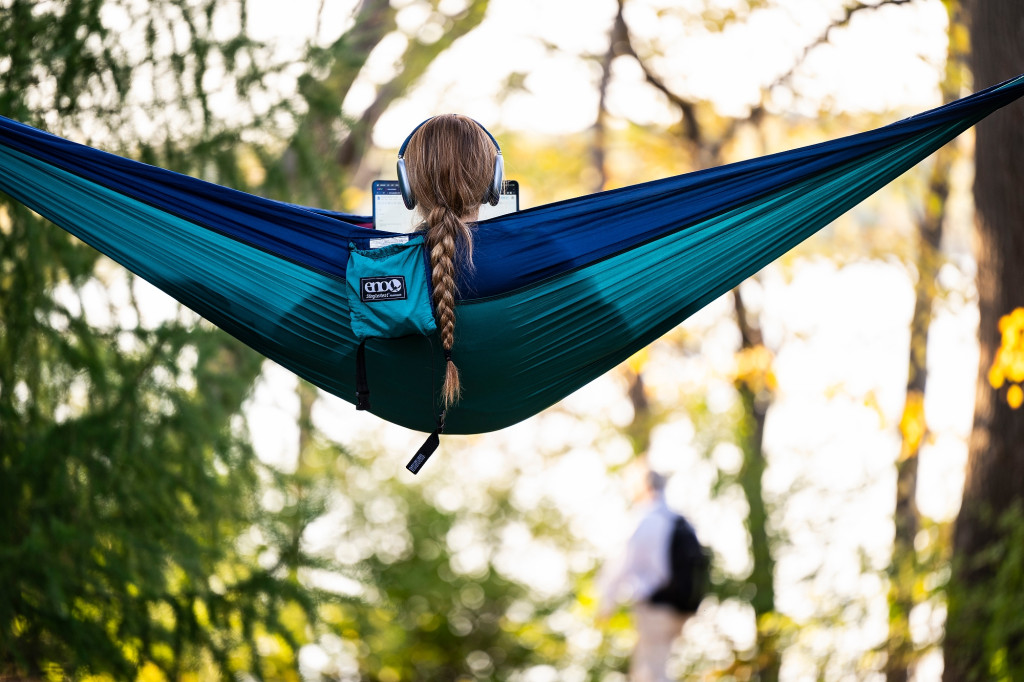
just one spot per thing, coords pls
(754, 368)
(912, 424)
(1015, 396)
(1009, 357)
(1016, 372)
(638, 361)
(151, 673)
(351, 197)
(996, 377)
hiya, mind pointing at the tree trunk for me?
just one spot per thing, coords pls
(756, 398)
(995, 466)
(904, 568)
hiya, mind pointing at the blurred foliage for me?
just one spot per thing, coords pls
(986, 616)
(424, 575)
(324, 162)
(125, 471)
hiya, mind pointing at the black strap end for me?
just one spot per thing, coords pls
(362, 400)
(424, 453)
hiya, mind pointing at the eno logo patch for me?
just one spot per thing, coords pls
(374, 289)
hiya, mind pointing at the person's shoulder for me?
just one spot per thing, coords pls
(656, 516)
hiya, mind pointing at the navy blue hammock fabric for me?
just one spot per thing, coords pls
(560, 293)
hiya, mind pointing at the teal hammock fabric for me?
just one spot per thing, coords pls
(560, 293)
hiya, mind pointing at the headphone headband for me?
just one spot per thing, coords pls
(401, 150)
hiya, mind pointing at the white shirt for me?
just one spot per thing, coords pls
(645, 565)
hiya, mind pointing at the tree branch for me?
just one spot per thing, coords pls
(691, 128)
(417, 58)
(848, 13)
(598, 142)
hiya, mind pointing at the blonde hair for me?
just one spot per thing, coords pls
(450, 161)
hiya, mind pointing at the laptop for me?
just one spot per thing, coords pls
(391, 215)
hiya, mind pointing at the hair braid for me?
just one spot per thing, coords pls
(450, 160)
(442, 238)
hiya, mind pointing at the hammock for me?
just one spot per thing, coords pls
(560, 294)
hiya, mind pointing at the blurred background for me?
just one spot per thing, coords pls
(177, 508)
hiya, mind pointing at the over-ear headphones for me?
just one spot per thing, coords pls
(491, 196)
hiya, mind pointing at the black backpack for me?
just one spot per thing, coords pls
(690, 565)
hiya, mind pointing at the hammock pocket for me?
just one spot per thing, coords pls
(560, 293)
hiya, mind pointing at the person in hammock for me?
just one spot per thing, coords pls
(447, 167)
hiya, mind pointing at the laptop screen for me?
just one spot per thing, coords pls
(391, 215)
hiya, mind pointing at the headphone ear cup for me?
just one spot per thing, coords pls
(404, 186)
(494, 191)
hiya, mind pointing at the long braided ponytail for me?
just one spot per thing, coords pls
(450, 161)
(445, 231)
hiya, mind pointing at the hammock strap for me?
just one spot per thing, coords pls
(363, 403)
(428, 447)
(362, 383)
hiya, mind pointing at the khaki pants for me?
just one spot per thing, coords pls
(656, 628)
